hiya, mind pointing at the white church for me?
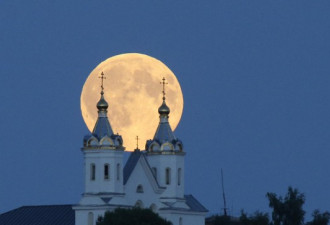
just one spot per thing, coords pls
(151, 178)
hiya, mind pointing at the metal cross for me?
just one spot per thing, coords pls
(163, 83)
(102, 78)
(137, 142)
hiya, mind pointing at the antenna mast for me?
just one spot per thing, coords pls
(223, 195)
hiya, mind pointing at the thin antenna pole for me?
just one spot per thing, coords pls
(223, 195)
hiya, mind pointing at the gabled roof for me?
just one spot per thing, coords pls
(130, 164)
(39, 215)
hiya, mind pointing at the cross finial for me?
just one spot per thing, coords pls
(137, 142)
(164, 83)
(102, 78)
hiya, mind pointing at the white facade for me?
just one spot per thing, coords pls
(97, 162)
(153, 178)
(169, 173)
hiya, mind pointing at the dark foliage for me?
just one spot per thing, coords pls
(258, 218)
(135, 216)
(287, 211)
(320, 218)
(223, 220)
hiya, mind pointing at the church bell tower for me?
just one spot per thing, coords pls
(103, 161)
(166, 156)
(103, 154)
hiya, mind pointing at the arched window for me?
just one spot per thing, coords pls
(168, 175)
(92, 172)
(90, 218)
(154, 171)
(179, 176)
(180, 221)
(118, 171)
(106, 172)
(139, 189)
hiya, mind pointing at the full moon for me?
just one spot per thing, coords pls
(133, 90)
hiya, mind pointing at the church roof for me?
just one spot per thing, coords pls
(39, 215)
(193, 204)
(130, 164)
(102, 128)
(164, 132)
(164, 139)
(65, 215)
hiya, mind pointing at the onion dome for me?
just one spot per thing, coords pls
(102, 104)
(164, 109)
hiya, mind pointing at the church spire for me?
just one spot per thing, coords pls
(102, 128)
(164, 135)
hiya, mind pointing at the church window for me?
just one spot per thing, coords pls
(168, 176)
(92, 171)
(90, 218)
(180, 221)
(106, 172)
(118, 171)
(154, 171)
(179, 176)
(139, 189)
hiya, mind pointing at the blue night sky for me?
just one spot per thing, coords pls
(255, 76)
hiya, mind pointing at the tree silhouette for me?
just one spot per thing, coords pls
(134, 216)
(287, 211)
(258, 218)
(320, 218)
